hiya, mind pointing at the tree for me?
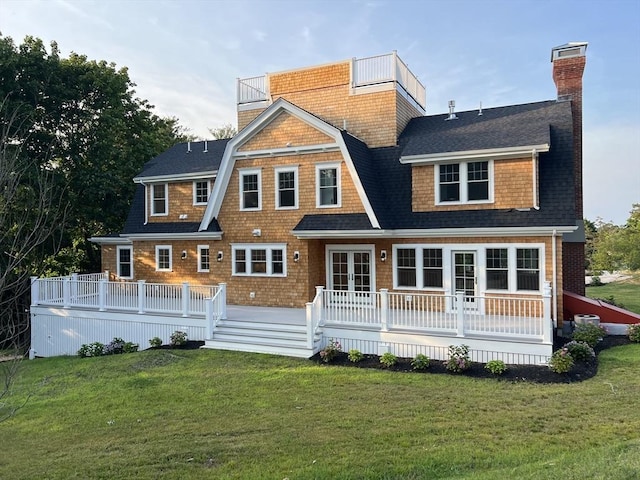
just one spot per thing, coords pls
(226, 131)
(617, 247)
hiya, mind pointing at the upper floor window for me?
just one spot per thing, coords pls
(527, 269)
(203, 258)
(250, 190)
(467, 182)
(259, 259)
(160, 199)
(163, 258)
(328, 185)
(286, 187)
(201, 190)
(125, 262)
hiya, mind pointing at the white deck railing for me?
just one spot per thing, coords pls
(94, 291)
(458, 315)
(365, 72)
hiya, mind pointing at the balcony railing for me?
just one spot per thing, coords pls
(365, 72)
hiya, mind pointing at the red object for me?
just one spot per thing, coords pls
(574, 304)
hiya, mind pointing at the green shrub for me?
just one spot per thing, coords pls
(114, 347)
(420, 362)
(589, 333)
(497, 367)
(634, 333)
(459, 360)
(355, 356)
(155, 342)
(130, 347)
(178, 338)
(329, 352)
(561, 361)
(388, 359)
(580, 351)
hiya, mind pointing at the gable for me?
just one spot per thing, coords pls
(285, 131)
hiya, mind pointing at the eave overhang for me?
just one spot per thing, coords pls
(173, 178)
(110, 240)
(491, 153)
(174, 236)
(436, 232)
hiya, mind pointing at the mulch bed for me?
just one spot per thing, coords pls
(515, 373)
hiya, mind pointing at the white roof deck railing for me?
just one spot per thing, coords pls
(366, 72)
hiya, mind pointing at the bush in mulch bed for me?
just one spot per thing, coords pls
(189, 345)
(582, 370)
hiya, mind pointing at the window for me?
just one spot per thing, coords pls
(406, 264)
(163, 258)
(259, 260)
(124, 260)
(159, 203)
(250, 183)
(468, 182)
(328, 185)
(527, 269)
(432, 267)
(203, 258)
(286, 188)
(201, 192)
(497, 268)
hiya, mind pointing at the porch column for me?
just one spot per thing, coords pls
(208, 311)
(35, 291)
(547, 321)
(319, 304)
(460, 314)
(384, 309)
(223, 301)
(309, 319)
(74, 288)
(185, 299)
(102, 295)
(141, 296)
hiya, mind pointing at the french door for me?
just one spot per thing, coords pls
(350, 270)
(465, 277)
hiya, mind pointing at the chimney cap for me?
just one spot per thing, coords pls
(571, 49)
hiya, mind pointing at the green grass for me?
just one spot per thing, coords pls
(214, 414)
(625, 292)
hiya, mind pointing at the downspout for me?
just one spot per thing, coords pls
(554, 254)
(146, 195)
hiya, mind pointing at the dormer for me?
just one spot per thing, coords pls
(372, 98)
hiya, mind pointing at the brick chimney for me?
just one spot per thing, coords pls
(568, 66)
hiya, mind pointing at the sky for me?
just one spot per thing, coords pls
(185, 56)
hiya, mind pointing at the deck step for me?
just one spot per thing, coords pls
(261, 337)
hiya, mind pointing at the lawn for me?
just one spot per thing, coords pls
(214, 414)
(625, 292)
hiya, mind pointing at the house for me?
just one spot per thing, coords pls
(337, 178)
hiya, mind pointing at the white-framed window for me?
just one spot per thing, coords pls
(261, 260)
(497, 264)
(201, 191)
(163, 258)
(250, 189)
(328, 188)
(204, 258)
(417, 267)
(528, 269)
(124, 261)
(159, 199)
(286, 180)
(464, 182)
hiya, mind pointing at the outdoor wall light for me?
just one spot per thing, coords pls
(184, 254)
(296, 256)
(383, 255)
(256, 232)
(220, 255)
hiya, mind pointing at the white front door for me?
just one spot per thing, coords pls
(465, 277)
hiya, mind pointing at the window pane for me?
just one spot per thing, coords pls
(277, 262)
(258, 261)
(432, 267)
(328, 186)
(204, 259)
(286, 189)
(159, 196)
(528, 269)
(164, 259)
(406, 262)
(250, 191)
(479, 191)
(497, 269)
(240, 262)
(450, 183)
(202, 192)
